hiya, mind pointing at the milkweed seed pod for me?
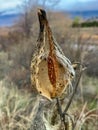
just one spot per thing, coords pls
(51, 71)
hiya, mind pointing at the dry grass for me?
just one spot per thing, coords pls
(16, 107)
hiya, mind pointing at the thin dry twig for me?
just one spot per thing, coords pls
(64, 113)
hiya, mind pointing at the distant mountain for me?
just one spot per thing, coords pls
(8, 19)
(84, 14)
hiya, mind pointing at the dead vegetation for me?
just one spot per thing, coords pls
(17, 106)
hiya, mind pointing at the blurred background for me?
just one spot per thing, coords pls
(75, 26)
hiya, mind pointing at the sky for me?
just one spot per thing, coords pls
(78, 5)
(12, 5)
(7, 4)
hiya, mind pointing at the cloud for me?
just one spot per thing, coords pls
(79, 5)
(9, 4)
